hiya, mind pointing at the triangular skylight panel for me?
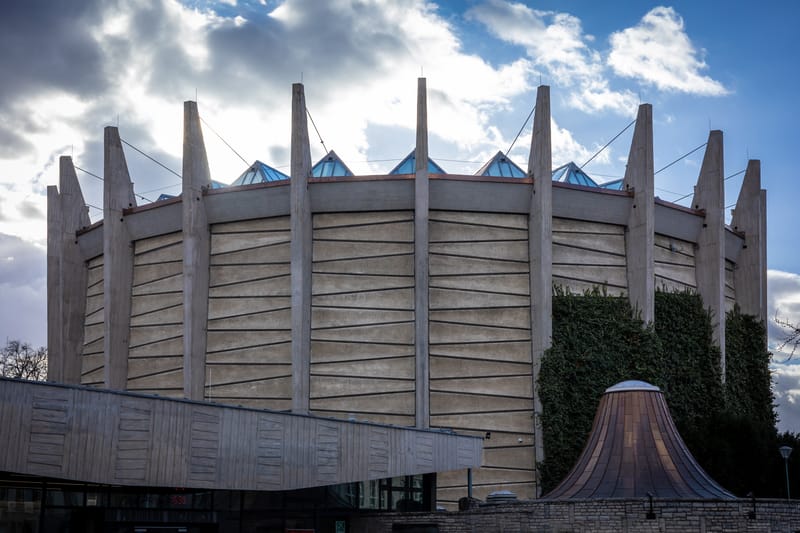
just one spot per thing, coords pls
(330, 166)
(408, 165)
(570, 173)
(614, 185)
(259, 173)
(501, 166)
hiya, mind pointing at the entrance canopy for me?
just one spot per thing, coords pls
(100, 436)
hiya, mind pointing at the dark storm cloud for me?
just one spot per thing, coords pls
(326, 42)
(23, 283)
(45, 44)
(21, 263)
(31, 210)
(12, 142)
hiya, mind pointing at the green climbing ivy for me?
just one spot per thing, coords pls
(598, 341)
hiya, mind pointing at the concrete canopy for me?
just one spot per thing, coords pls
(120, 438)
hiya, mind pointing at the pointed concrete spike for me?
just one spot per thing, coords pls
(196, 173)
(421, 154)
(196, 250)
(540, 159)
(640, 238)
(72, 196)
(117, 188)
(540, 244)
(117, 262)
(710, 255)
(73, 272)
(421, 260)
(301, 235)
(750, 218)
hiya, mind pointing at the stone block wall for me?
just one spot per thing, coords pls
(596, 516)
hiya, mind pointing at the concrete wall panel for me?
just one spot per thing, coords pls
(92, 363)
(383, 232)
(515, 284)
(480, 362)
(276, 319)
(325, 352)
(445, 265)
(493, 351)
(249, 314)
(362, 319)
(446, 231)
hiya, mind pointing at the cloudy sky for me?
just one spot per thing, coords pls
(67, 69)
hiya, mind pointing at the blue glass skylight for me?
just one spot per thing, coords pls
(615, 185)
(330, 166)
(259, 173)
(408, 165)
(214, 185)
(570, 173)
(501, 166)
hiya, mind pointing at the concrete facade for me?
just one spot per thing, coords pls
(419, 300)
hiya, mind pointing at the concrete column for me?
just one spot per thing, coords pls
(750, 218)
(640, 236)
(117, 261)
(301, 234)
(196, 250)
(55, 345)
(709, 195)
(540, 246)
(421, 265)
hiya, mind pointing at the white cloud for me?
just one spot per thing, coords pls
(556, 43)
(658, 52)
(566, 148)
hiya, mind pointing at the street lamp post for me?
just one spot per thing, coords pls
(786, 451)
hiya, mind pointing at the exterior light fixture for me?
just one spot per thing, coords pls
(786, 451)
(651, 514)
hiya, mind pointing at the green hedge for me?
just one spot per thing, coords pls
(599, 341)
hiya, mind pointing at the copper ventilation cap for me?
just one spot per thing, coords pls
(631, 385)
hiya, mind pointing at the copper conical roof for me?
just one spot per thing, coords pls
(634, 449)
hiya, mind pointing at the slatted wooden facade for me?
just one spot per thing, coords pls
(362, 316)
(248, 356)
(92, 355)
(588, 255)
(92, 435)
(480, 355)
(155, 356)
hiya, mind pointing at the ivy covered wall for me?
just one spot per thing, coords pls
(599, 341)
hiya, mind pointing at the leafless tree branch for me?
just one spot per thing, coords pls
(20, 360)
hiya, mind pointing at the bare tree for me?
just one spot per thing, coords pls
(791, 337)
(20, 360)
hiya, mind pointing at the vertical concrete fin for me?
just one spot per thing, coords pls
(301, 234)
(709, 195)
(74, 271)
(640, 236)
(55, 346)
(117, 261)
(421, 265)
(750, 217)
(196, 250)
(540, 247)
